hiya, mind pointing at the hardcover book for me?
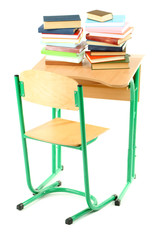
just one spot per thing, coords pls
(118, 20)
(108, 53)
(99, 15)
(61, 18)
(113, 35)
(119, 30)
(62, 21)
(114, 41)
(98, 59)
(106, 49)
(79, 48)
(76, 35)
(111, 65)
(57, 53)
(69, 31)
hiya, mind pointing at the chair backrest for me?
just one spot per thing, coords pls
(49, 89)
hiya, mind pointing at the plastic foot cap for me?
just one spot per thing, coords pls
(59, 183)
(20, 206)
(117, 202)
(69, 221)
(62, 167)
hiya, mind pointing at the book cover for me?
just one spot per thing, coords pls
(111, 65)
(68, 31)
(49, 62)
(89, 42)
(76, 35)
(107, 58)
(107, 49)
(63, 40)
(57, 53)
(99, 15)
(69, 45)
(61, 18)
(113, 35)
(118, 20)
(114, 41)
(62, 24)
(108, 53)
(77, 59)
(118, 30)
(79, 48)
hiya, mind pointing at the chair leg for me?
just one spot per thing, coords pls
(38, 195)
(70, 220)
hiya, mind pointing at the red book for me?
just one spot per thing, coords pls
(76, 35)
(114, 41)
(98, 59)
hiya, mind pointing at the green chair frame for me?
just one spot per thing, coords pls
(92, 203)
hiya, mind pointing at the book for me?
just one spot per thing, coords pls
(69, 45)
(79, 48)
(98, 59)
(113, 35)
(118, 20)
(61, 18)
(99, 15)
(49, 62)
(68, 31)
(77, 59)
(108, 29)
(62, 54)
(114, 41)
(95, 43)
(63, 40)
(69, 24)
(62, 21)
(111, 65)
(108, 53)
(76, 35)
(106, 48)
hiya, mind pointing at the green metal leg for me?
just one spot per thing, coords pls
(53, 146)
(91, 205)
(137, 77)
(134, 86)
(59, 165)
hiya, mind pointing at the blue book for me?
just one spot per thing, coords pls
(68, 31)
(61, 18)
(118, 20)
(106, 48)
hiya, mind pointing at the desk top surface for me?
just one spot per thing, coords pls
(117, 78)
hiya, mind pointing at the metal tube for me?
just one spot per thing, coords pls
(59, 147)
(137, 76)
(131, 131)
(53, 146)
(124, 191)
(22, 127)
(84, 154)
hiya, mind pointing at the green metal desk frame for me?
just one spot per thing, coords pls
(92, 203)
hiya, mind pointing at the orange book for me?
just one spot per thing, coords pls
(99, 59)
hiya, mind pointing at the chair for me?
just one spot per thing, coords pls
(57, 92)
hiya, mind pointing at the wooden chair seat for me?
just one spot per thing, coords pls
(64, 132)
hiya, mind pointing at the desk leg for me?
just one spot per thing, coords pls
(131, 152)
(137, 77)
(59, 166)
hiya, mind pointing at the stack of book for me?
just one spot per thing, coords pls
(107, 40)
(61, 37)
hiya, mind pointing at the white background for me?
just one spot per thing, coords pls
(138, 215)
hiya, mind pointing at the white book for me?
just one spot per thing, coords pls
(54, 40)
(65, 59)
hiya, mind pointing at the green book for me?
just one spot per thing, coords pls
(60, 54)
